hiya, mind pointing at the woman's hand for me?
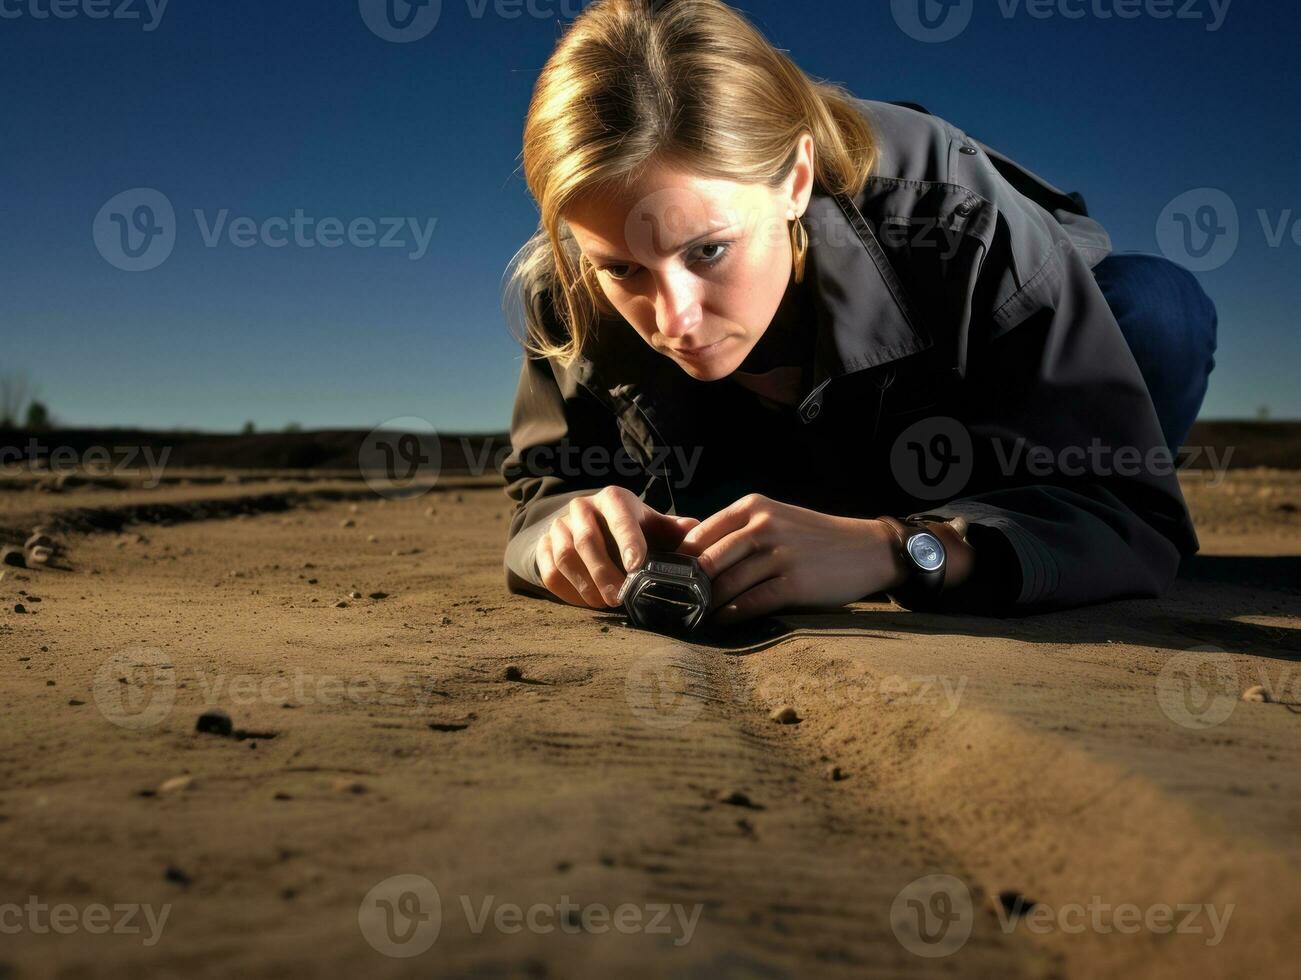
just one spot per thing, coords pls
(763, 555)
(591, 546)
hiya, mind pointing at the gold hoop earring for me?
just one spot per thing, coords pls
(799, 248)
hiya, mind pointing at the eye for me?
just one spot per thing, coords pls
(617, 272)
(711, 253)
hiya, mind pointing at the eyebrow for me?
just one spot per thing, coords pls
(712, 232)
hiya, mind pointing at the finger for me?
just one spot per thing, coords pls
(731, 518)
(767, 597)
(588, 531)
(621, 518)
(729, 551)
(667, 530)
(742, 576)
(572, 566)
(552, 577)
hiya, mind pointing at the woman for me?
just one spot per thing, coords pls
(832, 347)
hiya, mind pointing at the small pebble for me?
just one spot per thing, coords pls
(340, 605)
(447, 620)
(348, 522)
(785, 715)
(371, 538)
(736, 798)
(835, 773)
(177, 876)
(512, 673)
(379, 595)
(1257, 694)
(214, 721)
(19, 607)
(1015, 903)
(349, 786)
(74, 703)
(354, 594)
(176, 783)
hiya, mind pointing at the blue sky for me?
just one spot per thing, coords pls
(254, 110)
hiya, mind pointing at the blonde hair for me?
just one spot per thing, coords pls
(690, 81)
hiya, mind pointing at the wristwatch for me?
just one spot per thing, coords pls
(924, 557)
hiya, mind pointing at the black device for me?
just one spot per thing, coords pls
(670, 593)
(925, 558)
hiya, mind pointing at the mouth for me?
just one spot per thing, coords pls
(698, 352)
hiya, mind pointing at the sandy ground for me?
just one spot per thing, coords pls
(453, 781)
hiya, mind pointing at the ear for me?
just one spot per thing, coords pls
(799, 182)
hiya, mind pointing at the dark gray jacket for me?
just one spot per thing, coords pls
(966, 364)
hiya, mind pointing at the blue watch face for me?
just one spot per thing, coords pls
(926, 550)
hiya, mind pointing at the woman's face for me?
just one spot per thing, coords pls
(697, 266)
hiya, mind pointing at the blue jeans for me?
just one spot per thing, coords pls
(1170, 325)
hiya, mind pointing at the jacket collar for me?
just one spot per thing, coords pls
(864, 315)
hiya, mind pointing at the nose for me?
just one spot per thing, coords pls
(677, 304)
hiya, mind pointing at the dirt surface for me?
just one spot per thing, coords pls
(1074, 794)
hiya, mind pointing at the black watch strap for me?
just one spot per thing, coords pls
(923, 588)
